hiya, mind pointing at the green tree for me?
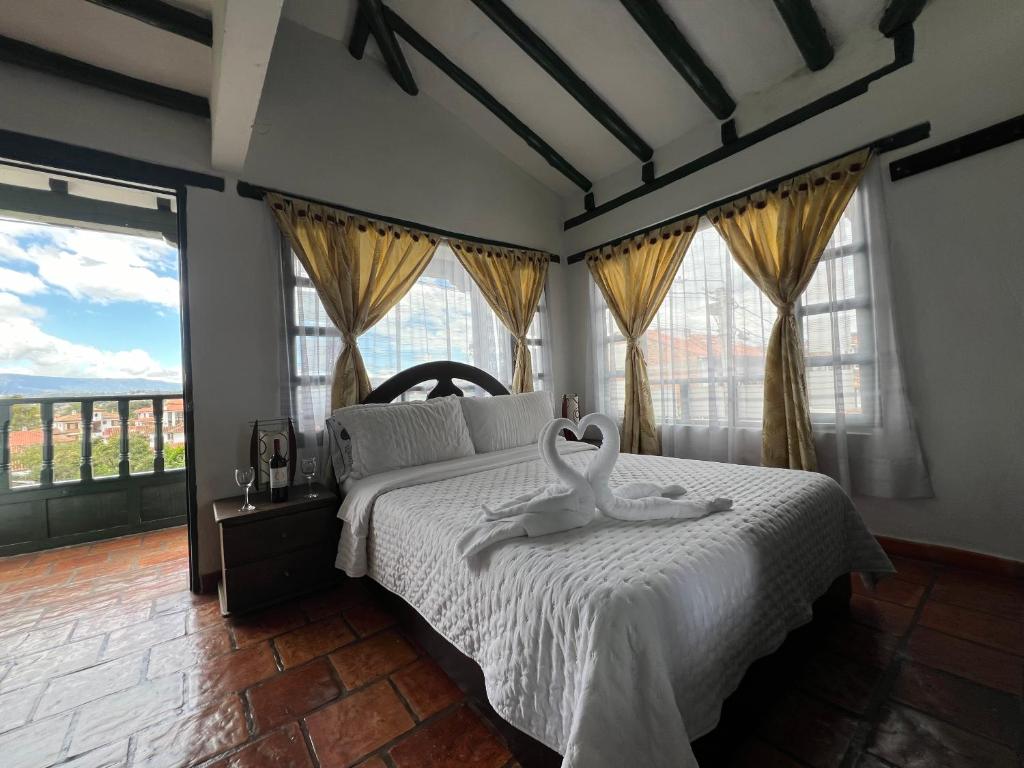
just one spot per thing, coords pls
(67, 457)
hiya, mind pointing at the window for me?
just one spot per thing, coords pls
(443, 317)
(705, 348)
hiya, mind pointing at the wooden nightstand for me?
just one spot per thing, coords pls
(276, 551)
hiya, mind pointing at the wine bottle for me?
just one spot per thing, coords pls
(278, 475)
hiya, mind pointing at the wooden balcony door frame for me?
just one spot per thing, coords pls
(71, 160)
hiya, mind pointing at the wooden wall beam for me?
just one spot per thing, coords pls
(478, 92)
(898, 14)
(164, 16)
(25, 55)
(664, 33)
(373, 11)
(807, 32)
(542, 53)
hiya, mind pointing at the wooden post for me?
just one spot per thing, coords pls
(123, 467)
(46, 471)
(85, 468)
(158, 436)
(5, 447)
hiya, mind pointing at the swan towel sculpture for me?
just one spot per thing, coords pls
(575, 499)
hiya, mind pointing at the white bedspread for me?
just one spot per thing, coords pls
(617, 643)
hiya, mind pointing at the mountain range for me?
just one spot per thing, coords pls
(22, 385)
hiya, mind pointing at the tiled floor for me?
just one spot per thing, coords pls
(107, 660)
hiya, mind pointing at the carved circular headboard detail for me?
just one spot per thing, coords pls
(444, 372)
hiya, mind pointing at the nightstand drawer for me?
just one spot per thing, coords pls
(262, 539)
(254, 584)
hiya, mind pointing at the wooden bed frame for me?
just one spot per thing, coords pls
(461, 668)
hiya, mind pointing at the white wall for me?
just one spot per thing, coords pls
(959, 265)
(330, 128)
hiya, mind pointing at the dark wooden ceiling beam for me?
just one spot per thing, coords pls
(478, 92)
(552, 63)
(164, 16)
(373, 11)
(25, 55)
(898, 14)
(360, 36)
(664, 33)
(807, 32)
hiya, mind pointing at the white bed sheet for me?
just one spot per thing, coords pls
(617, 643)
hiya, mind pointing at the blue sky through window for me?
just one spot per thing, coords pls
(78, 303)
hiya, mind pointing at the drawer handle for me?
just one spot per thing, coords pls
(287, 572)
(284, 534)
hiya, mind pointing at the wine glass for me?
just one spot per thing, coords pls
(244, 479)
(309, 470)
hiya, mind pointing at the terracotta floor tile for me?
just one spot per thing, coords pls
(375, 762)
(356, 725)
(813, 731)
(987, 666)
(77, 688)
(205, 615)
(426, 687)
(985, 628)
(16, 706)
(231, 673)
(458, 740)
(980, 593)
(367, 618)
(911, 739)
(47, 664)
(35, 640)
(114, 617)
(184, 652)
(316, 639)
(34, 745)
(117, 545)
(892, 589)
(108, 756)
(85, 558)
(888, 617)
(123, 713)
(839, 680)
(331, 602)
(292, 694)
(917, 571)
(32, 583)
(359, 663)
(975, 708)
(284, 748)
(193, 737)
(144, 635)
(266, 624)
(104, 569)
(760, 754)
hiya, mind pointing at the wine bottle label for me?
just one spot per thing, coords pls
(278, 477)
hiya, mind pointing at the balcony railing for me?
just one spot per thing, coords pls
(43, 505)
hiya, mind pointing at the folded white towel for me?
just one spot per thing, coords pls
(638, 501)
(560, 506)
(573, 501)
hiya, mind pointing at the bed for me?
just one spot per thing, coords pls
(616, 643)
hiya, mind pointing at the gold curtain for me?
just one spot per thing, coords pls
(360, 268)
(778, 236)
(635, 276)
(511, 281)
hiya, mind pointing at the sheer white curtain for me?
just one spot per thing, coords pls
(443, 317)
(706, 346)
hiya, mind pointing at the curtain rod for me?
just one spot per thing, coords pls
(255, 192)
(888, 143)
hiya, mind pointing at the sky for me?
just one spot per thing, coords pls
(84, 304)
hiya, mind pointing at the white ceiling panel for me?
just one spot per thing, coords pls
(105, 38)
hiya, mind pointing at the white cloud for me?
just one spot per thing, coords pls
(24, 283)
(26, 348)
(96, 266)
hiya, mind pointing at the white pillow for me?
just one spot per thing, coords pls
(397, 435)
(506, 421)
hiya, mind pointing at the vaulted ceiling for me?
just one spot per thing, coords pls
(745, 44)
(570, 90)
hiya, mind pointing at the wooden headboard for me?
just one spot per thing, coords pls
(443, 372)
